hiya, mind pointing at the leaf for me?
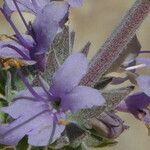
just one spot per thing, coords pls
(97, 142)
(8, 88)
(114, 97)
(75, 134)
(60, 143)
(107, 143)
(72, 136)
(83, 115)
(37, 148)
(86, 48)
(2, 146)
(51, 67)
(2, 97)
(92, 141)
(61, 45)
(103, 83)
(23, 144)
(60, 50)
(6, 147)
(3, 78)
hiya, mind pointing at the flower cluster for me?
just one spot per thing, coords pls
(31, 48)
(69, 107)
(40, 112)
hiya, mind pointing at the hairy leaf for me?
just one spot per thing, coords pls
(60, 50)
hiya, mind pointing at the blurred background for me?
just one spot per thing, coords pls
(94, 22)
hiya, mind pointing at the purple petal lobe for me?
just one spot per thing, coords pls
(82, 97)
(12, 133)
(23, 106)
(144, 61)
(47, 132)
(24, 5)
(144, 84)
(12, 49)
(69, 74)
(6, 52)
(32, 118)
(46, 24)
(75, 3)
(134, 103)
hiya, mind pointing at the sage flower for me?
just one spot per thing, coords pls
(108, 125)
(34, 6)
(137, 104)
(42, 31)
(39, 112)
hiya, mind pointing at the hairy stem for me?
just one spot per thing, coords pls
(117, 41)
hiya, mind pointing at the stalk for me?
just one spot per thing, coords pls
(117, 42)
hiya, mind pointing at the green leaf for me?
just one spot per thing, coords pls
(2, 97)
(107, 143)
(8, 88)
(60, 143)
(22, 145)
(71, 148)
(3, 116)
(39, 148)
(82, 116)
(75, 133)
(3, 78)
(61, 45)
(86, 48)
(60, 50)
(92, 141)
(2, 146)
(114, 97)
(103, 83)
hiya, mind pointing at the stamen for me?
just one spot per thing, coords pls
(5, 37)
(143, 52)
(44, 88)
(63, 122)
(135, 67)
(18, 34)
(25, 97)
(24, 21)
(7, 63)
(53, 128)
(17, 50)
(30, 88)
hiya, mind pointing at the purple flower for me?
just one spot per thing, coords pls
(40, 113)
(109, 125)
(136, 104)
(50, 16)
(34, 6)
(12, 49)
